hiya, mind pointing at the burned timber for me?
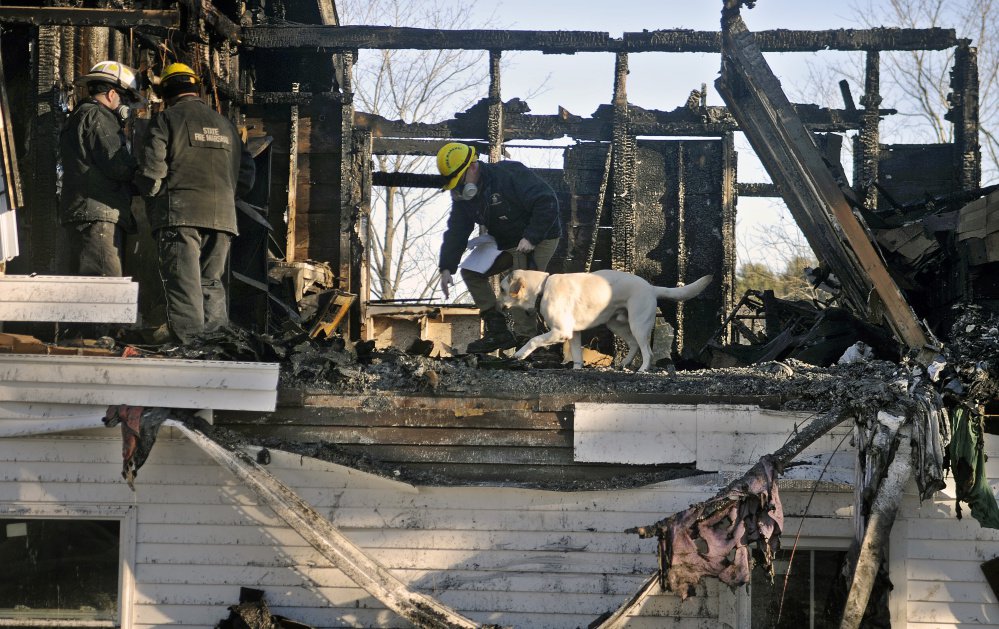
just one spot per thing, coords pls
(331, 460)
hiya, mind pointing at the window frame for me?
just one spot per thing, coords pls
(736, 607)
(126, 515)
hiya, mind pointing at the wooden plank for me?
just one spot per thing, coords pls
(957, 613)
(950, 550)
(485, 541)
(950, 570)
(482, 455)
(138, 381)
(588, 475)
(68, 299)
(950, 592)
(966, 529)
(568, 42)
(195, 616)
(415, 436)
(391, 418)
(498, 560)
(458, 580)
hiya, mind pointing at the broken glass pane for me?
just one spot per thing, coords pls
(59, 569)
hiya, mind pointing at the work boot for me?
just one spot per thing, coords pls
(497, 334)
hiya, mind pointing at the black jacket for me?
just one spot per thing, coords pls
(195, 165)
(97, 167)
(512, 203)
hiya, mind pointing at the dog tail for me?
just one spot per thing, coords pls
(680, 293)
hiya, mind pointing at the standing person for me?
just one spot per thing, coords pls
(98, 168)
(193, 165)
(518, 209)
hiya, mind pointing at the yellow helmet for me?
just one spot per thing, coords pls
(180, 72)
(453, 160)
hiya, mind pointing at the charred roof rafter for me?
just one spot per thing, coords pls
(570, 42)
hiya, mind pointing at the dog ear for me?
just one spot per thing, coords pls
(516, 286)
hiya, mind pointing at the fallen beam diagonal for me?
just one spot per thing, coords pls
(375, 578)
(754, 96)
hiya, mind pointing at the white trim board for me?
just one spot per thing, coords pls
(68, 299)
(712, 436)
(89, 380)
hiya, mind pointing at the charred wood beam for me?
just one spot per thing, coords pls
(964, 114)
(568, 42)
(288, 98)
(758, 190)
(71, 16)
(714, 121)
(809, 187)
(207, 11)
(406, 180)
(409, 146)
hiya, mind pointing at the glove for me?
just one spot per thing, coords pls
(123, 112)
(525, 246)
(446, 280)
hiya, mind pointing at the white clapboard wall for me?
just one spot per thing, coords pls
(941, 559)
(510, 556)
(514, 557)
(68, 299)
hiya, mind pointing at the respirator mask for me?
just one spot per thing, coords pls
(467, 192)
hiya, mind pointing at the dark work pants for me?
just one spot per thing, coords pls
(481, 290)
(95, 248)
(192, 261)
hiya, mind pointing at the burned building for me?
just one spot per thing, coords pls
(334, 484)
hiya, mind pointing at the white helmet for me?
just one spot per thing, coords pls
(118, 75)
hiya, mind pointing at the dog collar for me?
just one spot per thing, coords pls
(542, 324)
(541, 293)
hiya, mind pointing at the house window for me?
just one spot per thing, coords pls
(804, 599)
(59, 572)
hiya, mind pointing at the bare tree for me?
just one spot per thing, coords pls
(413, 86)
(921, 78)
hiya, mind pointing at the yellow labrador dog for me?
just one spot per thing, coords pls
(573, 302)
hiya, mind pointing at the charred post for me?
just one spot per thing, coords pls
(868, 149)
(963, 113)
(348, 208)
(291, 209)
(494, 124)
(622, 173)
(39, 225)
